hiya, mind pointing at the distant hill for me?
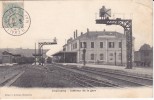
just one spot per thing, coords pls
(24, 52)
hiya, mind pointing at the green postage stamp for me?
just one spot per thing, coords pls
(16, 20)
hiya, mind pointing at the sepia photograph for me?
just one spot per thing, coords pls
(76, 49)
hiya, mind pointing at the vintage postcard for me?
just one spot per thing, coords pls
(76, 49)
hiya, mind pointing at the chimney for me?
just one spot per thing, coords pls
(76, 33)
(81, 33)
(87, 30)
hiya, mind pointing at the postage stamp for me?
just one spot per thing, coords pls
(16, 21)
(70, 49)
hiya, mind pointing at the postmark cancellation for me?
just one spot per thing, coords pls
(16, 21)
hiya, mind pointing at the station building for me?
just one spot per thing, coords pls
(8, 57)
(144, 56)
(102, 47)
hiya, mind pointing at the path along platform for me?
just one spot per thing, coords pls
(134, 70)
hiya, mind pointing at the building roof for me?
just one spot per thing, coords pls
(104, 33)
(8, 53)
(64, 52)
(145, 47)
(99, 34)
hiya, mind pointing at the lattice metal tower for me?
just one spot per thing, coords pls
(40, 48)
(104, 15)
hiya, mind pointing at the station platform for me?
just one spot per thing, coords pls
(135, 70)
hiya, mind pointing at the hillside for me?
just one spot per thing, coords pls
(24, 52)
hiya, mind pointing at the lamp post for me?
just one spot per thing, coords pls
(84, 54)
(115, 57)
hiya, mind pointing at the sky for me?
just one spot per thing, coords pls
(61, 18)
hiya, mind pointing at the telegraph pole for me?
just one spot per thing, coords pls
(35, 53)
(121, 53)
(125, 23)
(64, 52)
(42, 56)
(39, 52)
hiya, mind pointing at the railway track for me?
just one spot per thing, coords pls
(83, 77)
(148, 77)
(135, 79)
(122, 79)
(91, 82)
(10, 75)
(85, 80)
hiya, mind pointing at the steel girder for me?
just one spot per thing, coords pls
(127, 25)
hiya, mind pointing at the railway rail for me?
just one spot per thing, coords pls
(134, 78)
(91, 82)
(85, 80)
(82, 77)
(10, 75)
(122, 79)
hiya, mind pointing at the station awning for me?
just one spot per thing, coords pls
(37, 55)
(60, 53)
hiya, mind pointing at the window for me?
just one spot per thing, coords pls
(92, 56)
(75, 45)
(82, 57)
(111, 54)
(101, 44)
(64, 49)
(92, 44)
(101, 57)
(120, 44)
(119, 56)
(85, 44)
(80, 44)
(111, 44)
(111, 58)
